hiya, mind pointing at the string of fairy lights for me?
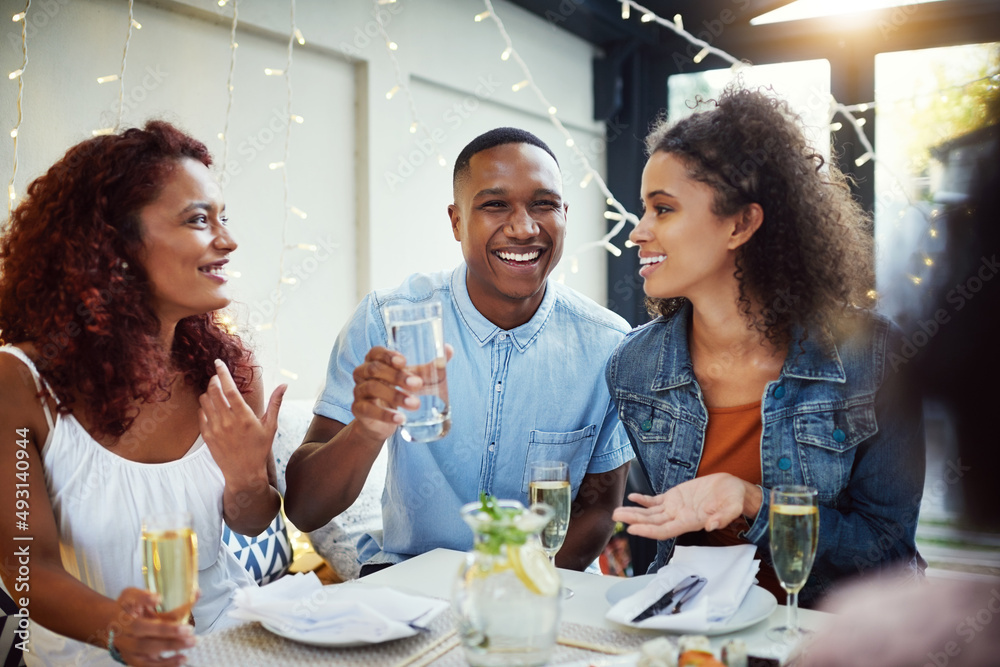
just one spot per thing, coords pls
(17, 74)
(120, 77)
(391, 47)
(230, 86)
(295, 36)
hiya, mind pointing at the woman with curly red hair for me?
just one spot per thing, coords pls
(766, 364)
(133, 398)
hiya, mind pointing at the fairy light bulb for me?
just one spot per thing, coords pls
(626, 11)
(481, 16)
(299, 37)
(506, 54)
(392, 91)
(519, 85)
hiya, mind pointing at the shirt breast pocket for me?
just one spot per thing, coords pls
(574, 447)
(828, 443)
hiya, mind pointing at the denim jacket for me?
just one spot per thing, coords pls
(846, 423)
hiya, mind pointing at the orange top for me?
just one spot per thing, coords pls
(732, 444)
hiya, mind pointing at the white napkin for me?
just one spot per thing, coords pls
(730, 572)
(301, 606)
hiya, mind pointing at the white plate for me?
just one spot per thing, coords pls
(316, 638)
(756, 606)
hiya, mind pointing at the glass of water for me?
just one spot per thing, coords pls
(416, 332)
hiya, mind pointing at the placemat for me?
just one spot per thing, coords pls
(250, 645)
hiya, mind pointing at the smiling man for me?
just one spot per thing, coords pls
(525, 380)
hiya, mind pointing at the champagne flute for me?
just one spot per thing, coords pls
(549, 484)
(794, 526)
(170, 562)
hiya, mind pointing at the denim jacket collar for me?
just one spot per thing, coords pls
(807, 359)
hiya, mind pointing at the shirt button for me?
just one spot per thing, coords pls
(784, 463)
(493, 447)
(839, 435)
(503, 336)
(499, 386)
(779, 392)
(646, 425)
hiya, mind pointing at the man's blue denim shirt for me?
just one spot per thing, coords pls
(847, 423)
(517, 396)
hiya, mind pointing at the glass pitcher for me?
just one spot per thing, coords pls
(507, 594)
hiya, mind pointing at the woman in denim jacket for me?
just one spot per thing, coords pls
(765, 364)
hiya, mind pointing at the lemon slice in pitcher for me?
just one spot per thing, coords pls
(533, 568)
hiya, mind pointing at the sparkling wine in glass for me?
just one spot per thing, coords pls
(794, 526)
(170, 562)
(549, 484)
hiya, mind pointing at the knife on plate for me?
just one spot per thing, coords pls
(676, 592)
(689, 594)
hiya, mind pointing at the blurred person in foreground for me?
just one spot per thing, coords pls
(128, 397)
(765, 364)
(947, 622)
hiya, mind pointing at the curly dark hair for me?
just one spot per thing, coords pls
(72, 283)
(812, 259)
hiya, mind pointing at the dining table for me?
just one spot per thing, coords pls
(585, 636)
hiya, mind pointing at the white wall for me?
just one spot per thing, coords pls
(353, 166)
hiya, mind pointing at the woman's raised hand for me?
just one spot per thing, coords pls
(240, 441)
(703, 503)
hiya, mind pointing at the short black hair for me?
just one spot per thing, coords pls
(492, 139)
